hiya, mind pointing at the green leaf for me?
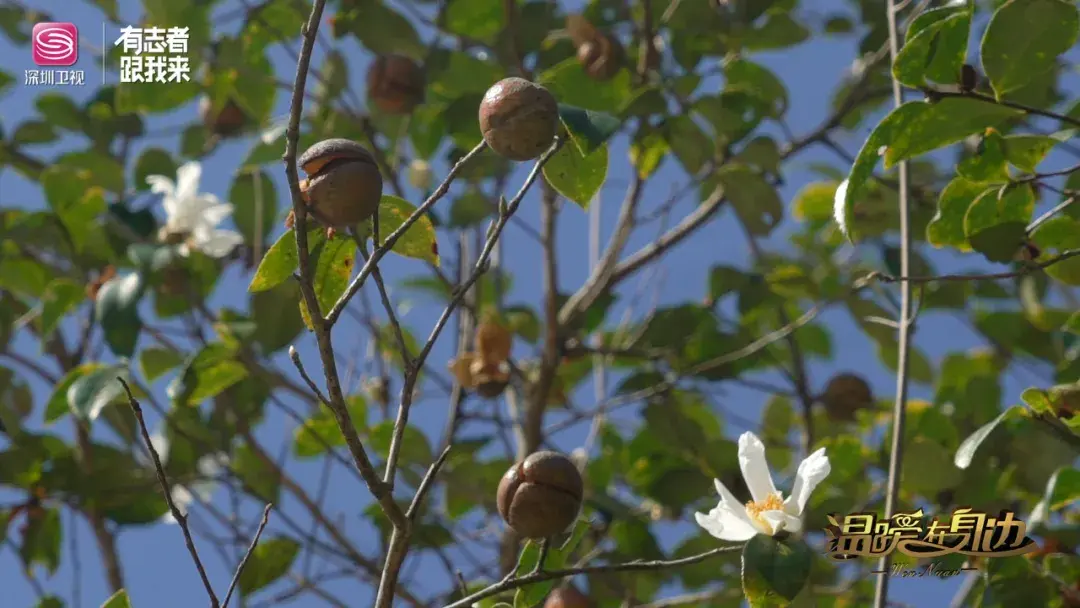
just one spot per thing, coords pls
(255, 203)
(60, 111)
(88, 394)
(931, 459)
(57, 405)
(452, 74)
(477, 19)
(988, 164)
(935, 51)
(333, 263)
(757, 203)
(1023, 41)
(523, 321)
(271, 560)
(1025, 152)
(1062, 490)
(41, 541)
(774, 571)
(75, 200)
(206, 374)
(276, 321)
(154, 362)
(34, 132)
(571, 85)
(118, 600)
(50, 601)
(281, 260)
(243, 74)
(320, 431)
(259, 475)
(588, 129)
(145, 98)
(61, 297)
(748, 77)
(116, 309)
(947, 226)
(1055, 236)
(1037, 399)
(647, 151)
(688, 143)
(419, 241)
(814, 202)
(996, 222)
(577, 177)
(153, 161)
(912, 129)
(94, 168)
(966, 452)
(381, 29)
(557, 558)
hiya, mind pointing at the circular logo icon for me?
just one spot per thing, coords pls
(55, 44)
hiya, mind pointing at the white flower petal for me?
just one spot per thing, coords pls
(755, 468)
(216, 243)
(839, 207)
(182, 217)
(811, 472)
(215, 213)
(159, 184)
(728, 501)
(779, 520)
(725, 525)
(187, 180)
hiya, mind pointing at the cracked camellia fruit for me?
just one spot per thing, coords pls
(226, 122)
(602, 58)
(395, 84)
(518, 118)
(567, 597)
(343, 185)
(541, 496)
(846, 394)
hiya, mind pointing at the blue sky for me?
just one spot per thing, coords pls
(157, 567)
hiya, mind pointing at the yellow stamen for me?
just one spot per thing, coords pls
(774, 502)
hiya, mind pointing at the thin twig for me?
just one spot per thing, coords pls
(426, 483)
(181, 519)
(388, 244)
(402, 531)
(512, 582)
(896, 454)
(294, 355)
(321, 325)
(251, 549)
(1028, 268)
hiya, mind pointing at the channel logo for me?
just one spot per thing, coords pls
(55, 44)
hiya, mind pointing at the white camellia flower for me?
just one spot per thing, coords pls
(192, 217)
(768, 513)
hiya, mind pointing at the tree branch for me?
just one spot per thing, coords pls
(320, 324)
(402, 532)
(251, 549)
(512, 582)
(388, 244)
(181, 518)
